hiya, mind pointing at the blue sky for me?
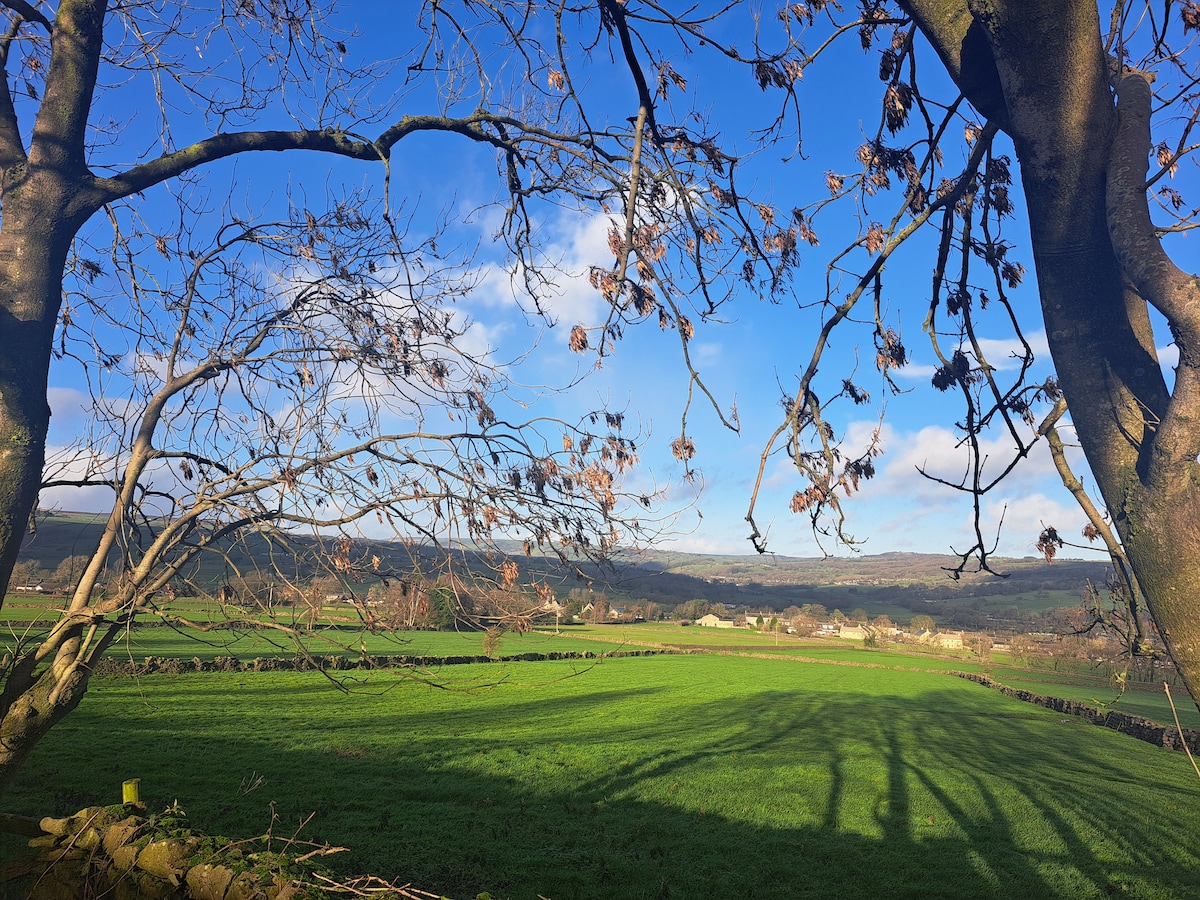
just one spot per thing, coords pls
(745, 359)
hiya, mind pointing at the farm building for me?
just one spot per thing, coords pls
(947, 640)
(712, 621)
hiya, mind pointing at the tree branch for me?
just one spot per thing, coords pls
(1165, 286)
(29, 13)
(12, 151)
(60, 131)
(339, 143)
(963, 47)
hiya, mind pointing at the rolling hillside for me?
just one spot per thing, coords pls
(896, 584)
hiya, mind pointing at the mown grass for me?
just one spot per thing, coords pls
(1139, 699)
(245, 644)
(48, 607)
(186, 643)
(679, 776)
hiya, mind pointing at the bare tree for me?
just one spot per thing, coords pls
(532, 84)
(262, 367)
(1073, 93)
(1071, 90)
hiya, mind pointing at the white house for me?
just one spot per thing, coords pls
(949, 640)
(946, 640)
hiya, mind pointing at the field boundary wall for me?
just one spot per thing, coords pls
(166, 665)
(1135, 726)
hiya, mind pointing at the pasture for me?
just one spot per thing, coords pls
(246, 644)
(676, 776)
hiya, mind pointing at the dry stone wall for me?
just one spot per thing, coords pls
(1135, 726)
(163, 665)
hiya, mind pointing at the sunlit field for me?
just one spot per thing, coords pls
(682, 776)
(347, 640)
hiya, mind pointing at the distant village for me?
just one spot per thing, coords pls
(811, 622)
(1071, 641)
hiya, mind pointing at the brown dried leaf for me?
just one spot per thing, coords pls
(897, 101)
(616, 240)
(683, 448)
(874, 240)
(1189, 13)
(1048, 543)
(509, 573)
(1164, 157)
(686, 330)
(579, 339)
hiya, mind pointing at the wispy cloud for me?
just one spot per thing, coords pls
(563, 293)
(1008, 353)
(1025, 515)
(1002, 354)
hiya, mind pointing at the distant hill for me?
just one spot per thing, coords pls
(899, 585)
(900, 569)
(896, 584)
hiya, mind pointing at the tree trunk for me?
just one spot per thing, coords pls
(31, 266)
(30, 273)
(47, 195)
(1051, 88)
(42, 683)
(33, 713)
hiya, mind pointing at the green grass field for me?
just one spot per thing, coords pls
(677, 776)
(1141, 700)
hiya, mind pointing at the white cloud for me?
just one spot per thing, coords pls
(913, 371)
(941, 453)
(73, 464)
(478, 340)
(1008, 353)
(1003, 354)
(577, 243)
(1024, 517)
(706, 353)
(70, 410)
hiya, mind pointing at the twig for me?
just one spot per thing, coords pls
(322, 851)
(1182, 740)
(635, 169)
(372, 886)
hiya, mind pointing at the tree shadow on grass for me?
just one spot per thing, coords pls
(955, 792)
